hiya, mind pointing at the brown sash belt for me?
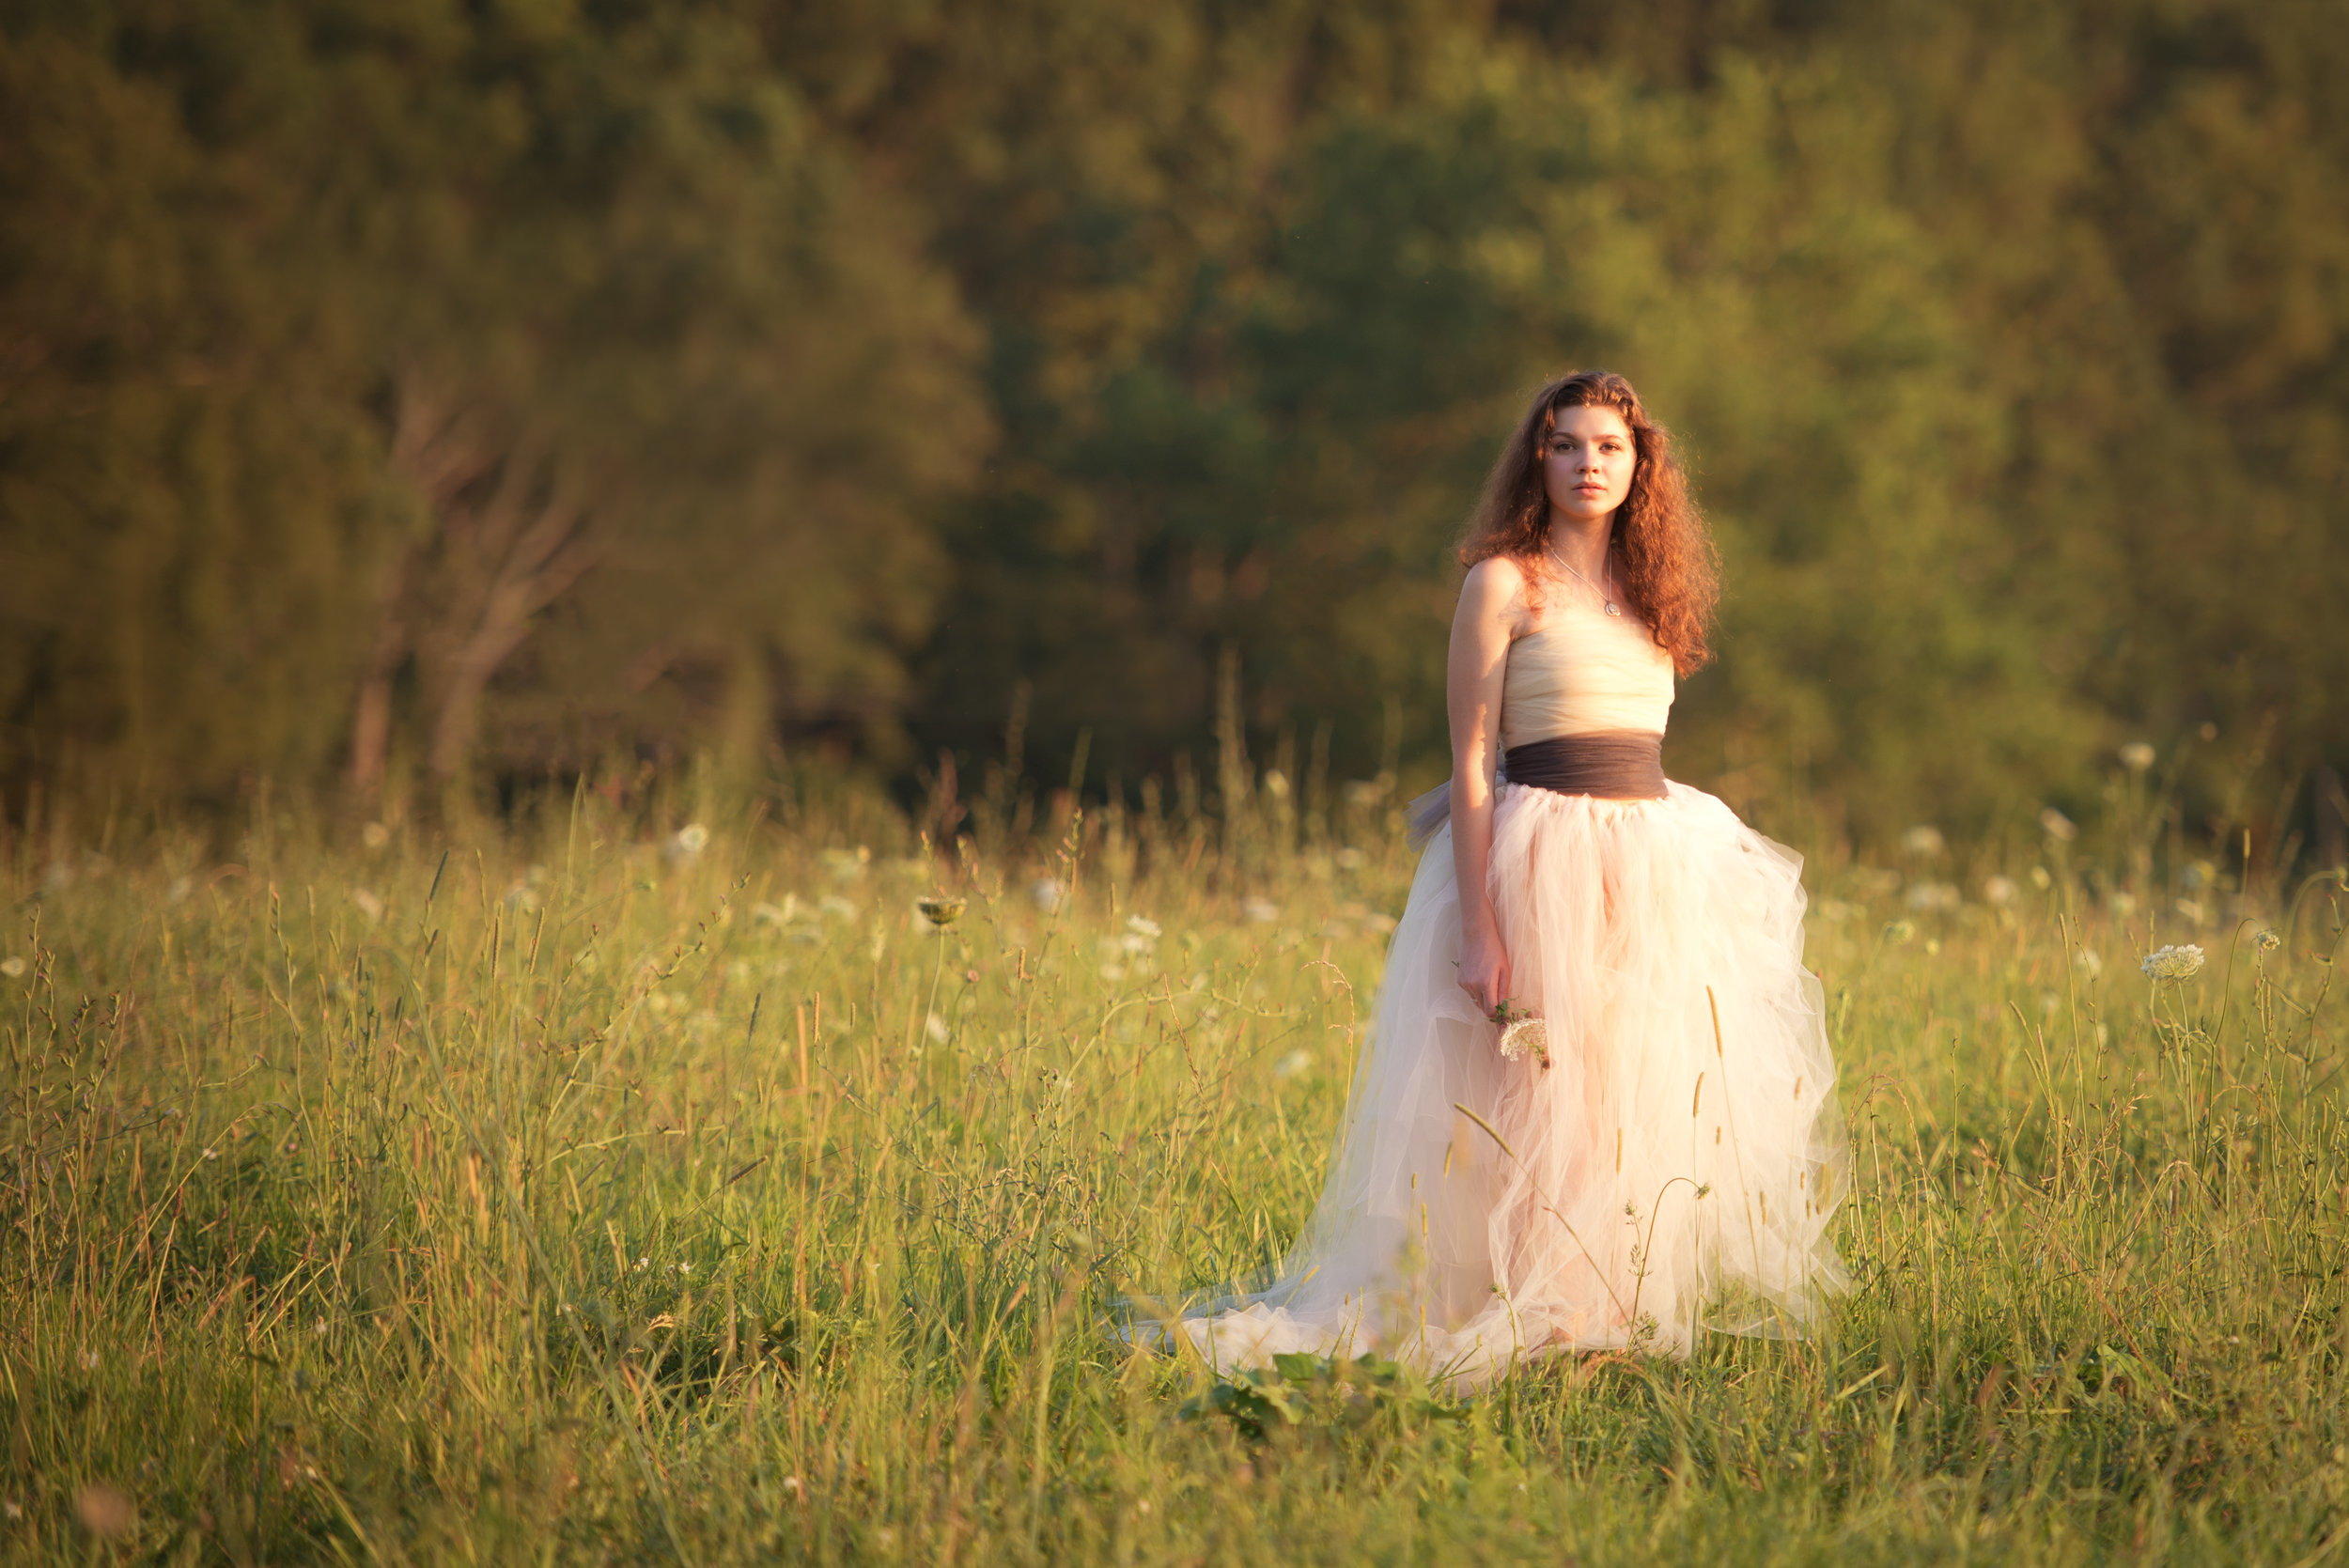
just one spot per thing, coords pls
(1612, 765)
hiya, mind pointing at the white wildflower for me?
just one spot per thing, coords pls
(2058, 827)
(2172, 963)
(12, 966)
(2091, 962)
(686, 842)
(2136, 756)
(1934, 896)
(1293, 1063)
(1046, 893)
(2122, 904)
(375, 836)
(369, 905)
(2040, 879)
(1261, 911)
(1900, 933)
(89, 1361)
(1276, 783)
(1143, 927)
(1997, 890)
(935, 1027)
(2266, 942)
(1923, 841)
(1523, 1037)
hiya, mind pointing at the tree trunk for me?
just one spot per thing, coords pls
(371, 717)
(543, 560)
(509, 537)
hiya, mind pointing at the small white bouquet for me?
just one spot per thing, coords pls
(1521, 1034)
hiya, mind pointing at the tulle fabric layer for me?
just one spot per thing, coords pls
(1675, 1167)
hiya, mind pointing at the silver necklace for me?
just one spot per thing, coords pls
(1613, 609)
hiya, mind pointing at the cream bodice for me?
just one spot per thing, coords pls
(1585, 671)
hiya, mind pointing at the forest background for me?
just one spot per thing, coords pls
(408, 398)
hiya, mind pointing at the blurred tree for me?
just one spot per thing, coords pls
(677, 378)
(576, 301)
(503, 382)
(186, 482)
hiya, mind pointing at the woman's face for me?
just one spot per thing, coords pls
(1587, 462)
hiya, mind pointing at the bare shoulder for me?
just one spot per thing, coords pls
(1495, 587)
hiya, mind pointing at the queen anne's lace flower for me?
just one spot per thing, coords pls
(2172, 963)
(1526, 1036)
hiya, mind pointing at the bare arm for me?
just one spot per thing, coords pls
(1492, 603)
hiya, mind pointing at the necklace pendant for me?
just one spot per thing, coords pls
(1611, 609)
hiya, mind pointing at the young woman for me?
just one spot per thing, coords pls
(1596, 1110)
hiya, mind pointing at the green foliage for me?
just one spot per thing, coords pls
(378, 356)
(432, 390)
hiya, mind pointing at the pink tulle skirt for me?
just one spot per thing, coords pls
(1672, 1170)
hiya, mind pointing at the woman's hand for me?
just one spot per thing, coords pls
(1483, 965)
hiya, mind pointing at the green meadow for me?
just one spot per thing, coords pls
(666, 1185)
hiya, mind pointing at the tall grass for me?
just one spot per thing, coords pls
(579, 1193)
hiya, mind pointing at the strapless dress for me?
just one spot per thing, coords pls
(1672, 1171)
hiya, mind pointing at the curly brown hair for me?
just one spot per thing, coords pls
(1668, 570)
